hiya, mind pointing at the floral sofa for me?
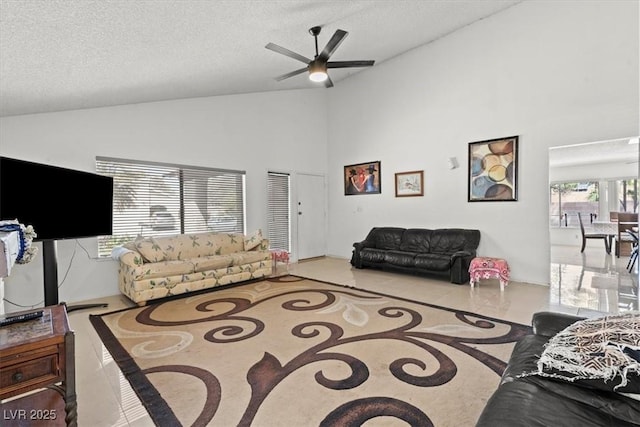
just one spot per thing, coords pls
(158, 267)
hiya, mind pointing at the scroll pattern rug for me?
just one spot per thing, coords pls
(290, 351)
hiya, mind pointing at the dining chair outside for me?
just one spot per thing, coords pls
(634, 251)
(626, 221)
(586, 236)
(613, 216)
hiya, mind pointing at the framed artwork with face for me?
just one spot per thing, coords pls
(362, 178)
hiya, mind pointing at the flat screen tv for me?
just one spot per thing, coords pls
(59, 203)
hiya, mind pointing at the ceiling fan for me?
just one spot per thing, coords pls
(318, 66)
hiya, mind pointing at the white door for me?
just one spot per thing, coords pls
(311, 214)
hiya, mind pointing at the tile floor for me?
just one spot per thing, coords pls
(586, 284)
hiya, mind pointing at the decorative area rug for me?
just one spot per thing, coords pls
(298, 352)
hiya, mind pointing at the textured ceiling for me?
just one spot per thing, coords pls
(72, 54)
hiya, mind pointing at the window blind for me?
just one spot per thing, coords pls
(155, 199)
(278, 211)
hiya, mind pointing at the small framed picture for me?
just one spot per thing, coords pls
(410, 184)
(493, 170)
(362, 178)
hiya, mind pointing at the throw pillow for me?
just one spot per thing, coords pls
(601, 353)
(150, 249)
(253, 240)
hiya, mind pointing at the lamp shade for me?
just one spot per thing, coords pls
(317, 71)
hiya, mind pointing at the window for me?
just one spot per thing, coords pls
(594, 200)
(155, 199)
(627, 195)
(278, 211)
(566, 199)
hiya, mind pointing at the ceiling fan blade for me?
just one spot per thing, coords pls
(328, 82)
(333, 44)
(291, 74)
(349, 64)
(287, 52)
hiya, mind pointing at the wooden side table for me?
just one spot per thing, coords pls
(36, 357)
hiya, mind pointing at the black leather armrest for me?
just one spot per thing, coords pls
(548, 323)
(356, 261)
(363, 244)
(462, 254)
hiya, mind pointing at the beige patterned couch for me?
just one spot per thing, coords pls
(157, 267)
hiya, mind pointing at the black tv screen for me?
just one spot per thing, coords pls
(59, 203)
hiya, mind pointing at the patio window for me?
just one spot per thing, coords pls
(156, 199)
(566, 199)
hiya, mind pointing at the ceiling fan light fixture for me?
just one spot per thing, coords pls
(317, 72)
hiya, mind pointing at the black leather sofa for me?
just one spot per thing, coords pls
(529, 401)
(446, 252)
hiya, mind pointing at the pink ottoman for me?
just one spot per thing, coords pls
(489, 268)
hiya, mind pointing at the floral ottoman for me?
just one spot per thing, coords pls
(489, 268)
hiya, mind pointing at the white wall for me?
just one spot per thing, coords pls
(283, 131)
(554, 73)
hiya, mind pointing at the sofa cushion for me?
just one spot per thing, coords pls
(524, 357)
(372, 255)
(435, 262)
(602, 353)
(449, 240)
(212, 262)
(416, 240)
(248, 257)
(403, 259)
(150, 249)
(187, 246)
(386, 238)
(230, 243)
(253, 240)
(525, 404)
(162, 269)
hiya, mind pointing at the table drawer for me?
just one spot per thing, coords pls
(29, 374)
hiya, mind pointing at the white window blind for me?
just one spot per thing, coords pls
(155, 199)
(278, 211)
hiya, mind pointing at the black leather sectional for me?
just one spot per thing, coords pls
(447, 252)
(525, 401)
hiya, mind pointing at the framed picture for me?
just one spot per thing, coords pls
(362, 178)
(493, 170)
(409, 184)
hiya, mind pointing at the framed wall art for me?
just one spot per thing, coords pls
(409, 184)
(493, 170)
(362, 178)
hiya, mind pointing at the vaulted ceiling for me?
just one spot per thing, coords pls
(60, 55)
